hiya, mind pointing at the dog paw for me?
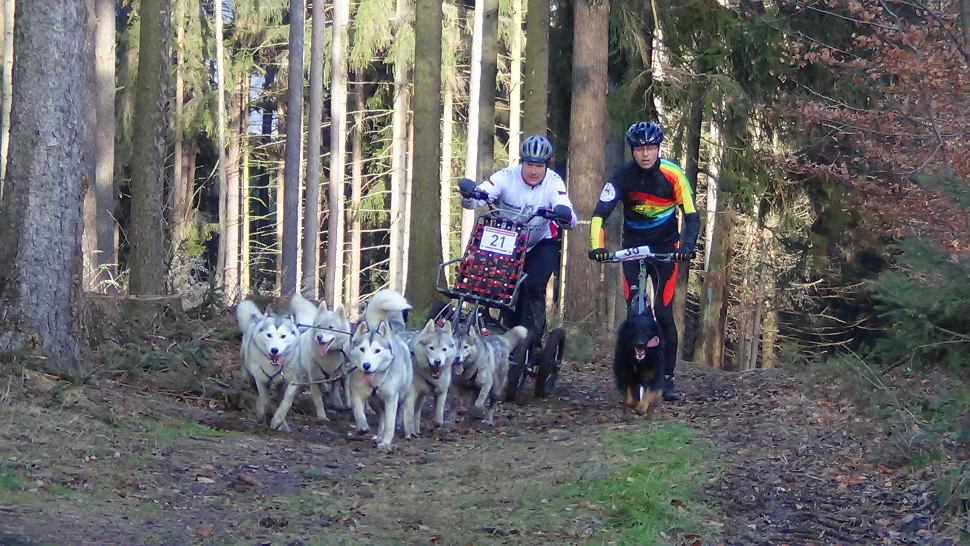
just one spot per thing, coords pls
(282, 427)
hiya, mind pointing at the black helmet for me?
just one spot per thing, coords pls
(536, 149)
(644, 133)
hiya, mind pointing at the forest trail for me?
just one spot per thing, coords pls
(796, 468)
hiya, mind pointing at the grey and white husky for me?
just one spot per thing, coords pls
(433, 352)
(381, 364)
(323, 335)
(270, 353)
(483, 367)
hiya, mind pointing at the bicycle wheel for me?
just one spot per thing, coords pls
(437, 310)
(549, 363)
(518, 370)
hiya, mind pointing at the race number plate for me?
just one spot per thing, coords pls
(498, 241)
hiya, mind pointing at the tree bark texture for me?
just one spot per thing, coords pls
(486, 97)
(314, 141)
(473, 135)
(223, 272)
(399, 129)
(338, 152)
(587, 156)
(146, 265)
(447, 141)
(89, 235)
(426, 179)
(691, 168)
(238, 123)
(290, 262)
(356, 190)
(536, 80)
(712, 327)
(515, 81)
(40, 212)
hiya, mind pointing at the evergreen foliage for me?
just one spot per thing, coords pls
(926, 302)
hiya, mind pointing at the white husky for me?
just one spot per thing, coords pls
(483, 367)
(270, 353)
(323, 336)
(381, 364)
(433, 352)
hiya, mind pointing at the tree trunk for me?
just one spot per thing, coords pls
(40, 211)
(769, 325)
(7, 67)
(965, 21)
(536, 93)
(691, 169)
(447, 137)
(515, 81)
(314, 141)
(587, 156)
(180, 192)
(399, 128)
(338, 153)
(238, 127)
(89, 235)
(712, 327)
(290, 262)
(473, 134)
(222, 273)
(425, 248)
(486, 97)
(356, 190)
(147, 259)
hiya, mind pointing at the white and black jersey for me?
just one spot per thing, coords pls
(511, 198)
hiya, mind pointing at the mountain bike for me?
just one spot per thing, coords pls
(487, 280)
(639, 304)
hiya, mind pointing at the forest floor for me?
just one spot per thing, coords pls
(122, 460)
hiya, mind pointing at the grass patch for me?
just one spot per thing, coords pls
(629, 485)
(579, 345)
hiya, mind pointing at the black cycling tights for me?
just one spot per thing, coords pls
(663, 276)
(540, 263)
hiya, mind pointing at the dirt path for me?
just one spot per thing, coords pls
(797, 469)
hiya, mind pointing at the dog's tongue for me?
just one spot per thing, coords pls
(323, 347)
(275, 359)
(640, 353)
(369, 379)
(459, 368)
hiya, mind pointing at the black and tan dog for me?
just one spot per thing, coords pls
(638, 364)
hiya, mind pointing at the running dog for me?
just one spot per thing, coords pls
(381, 362)
(638, 364)
(323, 336)
(482, 367)
(270, 353)
(433, 352)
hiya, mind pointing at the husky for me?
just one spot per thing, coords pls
(323, 335)
(638, 364)
(482, 367)
(270, 353)
(433, 352)
(381, 363)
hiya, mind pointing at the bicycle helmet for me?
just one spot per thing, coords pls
(536, 149)
(644, 133)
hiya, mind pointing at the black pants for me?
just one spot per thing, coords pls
(663, 276)
(530, 309)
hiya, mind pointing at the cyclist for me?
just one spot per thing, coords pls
(515, 193)
(651, 189)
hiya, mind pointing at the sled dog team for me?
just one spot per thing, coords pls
(377, 362)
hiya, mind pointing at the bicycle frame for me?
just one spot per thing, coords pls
(641, 254)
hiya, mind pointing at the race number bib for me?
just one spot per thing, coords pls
(498, 241)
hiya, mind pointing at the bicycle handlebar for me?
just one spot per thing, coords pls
(543, 212)
(640, 253)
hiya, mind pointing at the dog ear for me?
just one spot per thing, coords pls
(340, 311)
(322, 308)
(361, 328)
(383, 329)
(429, 327)
(654, 341)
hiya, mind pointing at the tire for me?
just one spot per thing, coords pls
(518, 371)
(438, 310)
(550, 360)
